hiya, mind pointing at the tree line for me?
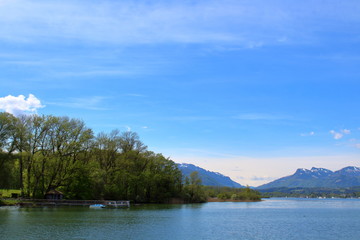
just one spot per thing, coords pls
(232, 194)
(315, 192)
(41, 153)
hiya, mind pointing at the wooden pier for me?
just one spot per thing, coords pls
(58, 202)
(117, 204)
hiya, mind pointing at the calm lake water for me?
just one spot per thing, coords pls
(269, 219)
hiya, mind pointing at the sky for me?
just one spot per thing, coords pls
(253, 89)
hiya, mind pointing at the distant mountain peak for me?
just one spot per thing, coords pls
(314, 169)
(301, 171)
(351, 169)
(184, 165)
(318, 177)
(208, 178)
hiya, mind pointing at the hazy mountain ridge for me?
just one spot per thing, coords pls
(318, 177)
(208, 178)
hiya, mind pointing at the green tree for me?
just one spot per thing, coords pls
(193, 190)
(8, 178)
(68, 141)
(106, 151)
(48, 152)
(7, 129)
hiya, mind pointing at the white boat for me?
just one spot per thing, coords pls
(97, 206)
(111, 204)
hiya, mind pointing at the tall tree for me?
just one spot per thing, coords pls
(106, 151)
(7, 128)
(193, 190)
(67, 144)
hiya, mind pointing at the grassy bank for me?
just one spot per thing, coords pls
(9, 202)
(5, 197)
(7, 193)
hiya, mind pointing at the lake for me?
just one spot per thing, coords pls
(269, 219)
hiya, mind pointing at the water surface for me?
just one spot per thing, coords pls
(269, 219)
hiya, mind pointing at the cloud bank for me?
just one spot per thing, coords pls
(20, 105)
(243, 23)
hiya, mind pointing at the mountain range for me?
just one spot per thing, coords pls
(303, 178)
(318, 177)
(208, 178)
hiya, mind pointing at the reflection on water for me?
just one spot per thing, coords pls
(269, 219)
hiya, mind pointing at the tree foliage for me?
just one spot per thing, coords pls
(193, 189)
(237, 194)
(40, 153)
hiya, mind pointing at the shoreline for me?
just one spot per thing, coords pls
(230, 200)
(39, 203)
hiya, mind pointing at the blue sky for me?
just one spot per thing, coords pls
(251, 89)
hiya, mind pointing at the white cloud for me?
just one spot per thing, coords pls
(307, 134)
(89, 103)
(336, 135)
(20, 104)
(262, 178)
(346, 131)
(340, 134)
(261, 116)
(130, 23)
(243, 23)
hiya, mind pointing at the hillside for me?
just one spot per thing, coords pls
(318, 177)
(208, 178)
